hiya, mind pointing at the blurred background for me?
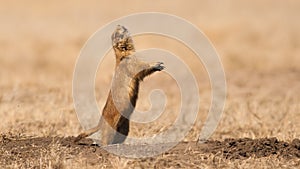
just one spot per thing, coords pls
(258, 42)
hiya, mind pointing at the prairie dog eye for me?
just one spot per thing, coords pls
(129, 46)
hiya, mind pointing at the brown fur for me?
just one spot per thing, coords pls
(129, 72)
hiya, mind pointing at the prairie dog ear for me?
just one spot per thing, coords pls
(121, 35)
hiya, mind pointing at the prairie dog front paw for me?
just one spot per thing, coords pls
(158, 66)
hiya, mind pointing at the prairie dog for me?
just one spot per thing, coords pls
(129, 72)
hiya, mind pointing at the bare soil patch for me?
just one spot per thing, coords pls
(22, 150)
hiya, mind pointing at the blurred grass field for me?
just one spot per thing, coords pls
(258, 42)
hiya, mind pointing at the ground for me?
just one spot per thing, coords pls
(259, 45)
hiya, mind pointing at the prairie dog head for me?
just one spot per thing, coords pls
(122, 42)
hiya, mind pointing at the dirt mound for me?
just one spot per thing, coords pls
(245, 147)
(22, 149)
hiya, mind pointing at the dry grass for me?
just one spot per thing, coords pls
(259, 44)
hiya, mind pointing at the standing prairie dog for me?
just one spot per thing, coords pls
(129, 72)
